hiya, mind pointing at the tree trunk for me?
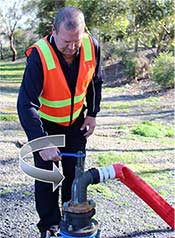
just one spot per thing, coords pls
(12, 47)
(136, 43)
(1, 50)
(159, 46)
(136, 29)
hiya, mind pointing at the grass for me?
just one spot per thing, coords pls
(26, 193)
(11, 71)
(152, 129)
(156, 175)
(8, 117)
(113, 90)
(104, 159)
(5, 192)
(137, 105)
(116, 107)
(102, 189)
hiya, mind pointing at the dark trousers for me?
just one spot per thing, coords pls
(46, 200)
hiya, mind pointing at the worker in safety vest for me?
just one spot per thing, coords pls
(60, 94)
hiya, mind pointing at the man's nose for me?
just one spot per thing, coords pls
(72, 46)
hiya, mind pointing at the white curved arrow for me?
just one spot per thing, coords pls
(50, 176)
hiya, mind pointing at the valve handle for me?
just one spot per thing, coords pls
(78, 155)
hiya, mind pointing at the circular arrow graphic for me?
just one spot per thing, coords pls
(50, 176)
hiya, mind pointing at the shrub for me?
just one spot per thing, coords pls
(131, 63)
(163, 70)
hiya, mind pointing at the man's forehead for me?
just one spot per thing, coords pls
(74, 33)
(79, 28)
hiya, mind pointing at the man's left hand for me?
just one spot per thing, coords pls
(89, 123)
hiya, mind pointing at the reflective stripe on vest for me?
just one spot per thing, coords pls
(60, 103)
(47, 54)
(87, 48)
(60, 119)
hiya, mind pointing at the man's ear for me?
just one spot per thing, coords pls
(53, 29)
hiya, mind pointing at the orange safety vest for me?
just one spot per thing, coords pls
(57, 105)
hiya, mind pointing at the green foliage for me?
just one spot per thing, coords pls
(151, 23)
(23, 39)
(100, 16)
(131, 63)
(147, 11)
(163, 70)
(6, 53)
(46, 13)
(152, 129)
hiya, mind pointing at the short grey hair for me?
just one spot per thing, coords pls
(71, 17)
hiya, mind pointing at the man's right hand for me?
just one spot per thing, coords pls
(50, 154)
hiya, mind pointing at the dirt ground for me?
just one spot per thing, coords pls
(128, 216)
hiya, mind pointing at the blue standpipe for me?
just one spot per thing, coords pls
(69, 236)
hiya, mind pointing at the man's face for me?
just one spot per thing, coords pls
(68, 41)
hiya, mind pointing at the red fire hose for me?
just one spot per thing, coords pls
(146, 193)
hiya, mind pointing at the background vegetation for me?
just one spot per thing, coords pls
(132, 32)
(136, 123)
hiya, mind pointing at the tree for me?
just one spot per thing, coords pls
(46, 12)
(10, 15)
(30, 10)
(100, 16)
(151, 23)
(23, 39)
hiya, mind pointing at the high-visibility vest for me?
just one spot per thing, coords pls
(57, 104)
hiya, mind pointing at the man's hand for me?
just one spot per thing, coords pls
(89, 123)
(50, 154)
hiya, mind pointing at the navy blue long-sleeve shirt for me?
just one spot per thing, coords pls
(32, 85)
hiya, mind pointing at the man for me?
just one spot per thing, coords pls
(62, 71)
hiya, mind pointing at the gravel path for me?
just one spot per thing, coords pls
(126, 216)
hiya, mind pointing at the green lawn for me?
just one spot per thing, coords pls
(11, 71)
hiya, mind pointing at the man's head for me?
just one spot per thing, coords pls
(68, 29)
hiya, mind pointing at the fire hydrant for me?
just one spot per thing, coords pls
(77, 218)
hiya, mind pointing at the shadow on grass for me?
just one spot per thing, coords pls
(141, 233)
(10, 89)
(133, 150)
(125, 98)
(127, 114)
(152, 115)
(2, 68)
(155, 171)
(10, 76)
(13, 113)
(12, 64)
(134, 97)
